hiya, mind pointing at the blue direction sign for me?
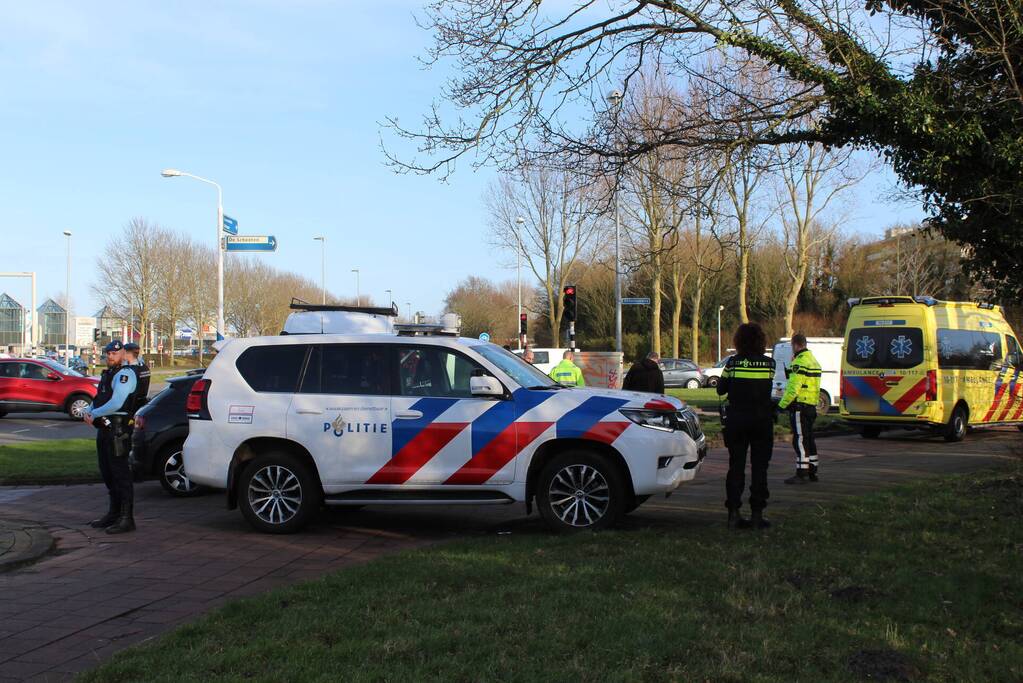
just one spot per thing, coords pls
(250, 243)
(230, 225)
(636, 301)
(484, 337)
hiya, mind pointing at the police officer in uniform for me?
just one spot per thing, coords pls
(800, 399)
(142, 374)
(748, 424)
(110, 413)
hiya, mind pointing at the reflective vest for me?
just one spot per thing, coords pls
(804, 385)
(568, 373)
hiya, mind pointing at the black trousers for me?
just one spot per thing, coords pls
(755, 435)
(801, 419)
(114, 469)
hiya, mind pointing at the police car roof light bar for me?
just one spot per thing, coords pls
(299, 305)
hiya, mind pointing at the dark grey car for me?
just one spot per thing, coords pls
(681, 372)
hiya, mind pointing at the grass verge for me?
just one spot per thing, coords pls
(918, 583)
(53, 461)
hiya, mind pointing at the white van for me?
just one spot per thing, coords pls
(544, 360)
(828, 352)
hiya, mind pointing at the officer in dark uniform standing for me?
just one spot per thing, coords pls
(133, 360)
(748, 424)
(110, 413)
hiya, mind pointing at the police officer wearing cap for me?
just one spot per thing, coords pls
(133, 360)
(748, 424)
(110, 413)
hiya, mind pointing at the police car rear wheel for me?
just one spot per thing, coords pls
(277, 493)
(580, 490)
(955, 430)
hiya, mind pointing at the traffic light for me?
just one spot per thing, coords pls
(569, 303)
(522, 323)
(95, 335)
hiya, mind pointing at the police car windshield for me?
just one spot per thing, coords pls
(62, 369)
(519, 370)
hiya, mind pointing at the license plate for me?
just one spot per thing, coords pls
(862, 405)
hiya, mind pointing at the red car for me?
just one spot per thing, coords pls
(34, 386)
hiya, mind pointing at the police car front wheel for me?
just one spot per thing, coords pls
(579, 490)
(277, 493)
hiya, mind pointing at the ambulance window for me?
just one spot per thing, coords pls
(434, 371)
(272, 368)
(885, 348)
(348, 369)
(968, 349)
(1012, 352)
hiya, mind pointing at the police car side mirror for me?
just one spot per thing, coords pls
(485, 386)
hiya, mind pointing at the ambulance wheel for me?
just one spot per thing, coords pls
(277, 493)
(870, 432)
(579, 490)
(955, 430)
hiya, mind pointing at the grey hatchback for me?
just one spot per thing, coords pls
(681, 372)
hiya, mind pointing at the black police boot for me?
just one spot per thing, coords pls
(758, 521)
(107, 519)
(125, 522)
(813, 473)
(737, 521)
(798, 478)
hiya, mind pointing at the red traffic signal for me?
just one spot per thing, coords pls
(523, 319)
(568, 300)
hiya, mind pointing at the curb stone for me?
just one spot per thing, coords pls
(22, 542)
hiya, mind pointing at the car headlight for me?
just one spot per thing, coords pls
(654, 419)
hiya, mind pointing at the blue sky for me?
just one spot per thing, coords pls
(279, 101)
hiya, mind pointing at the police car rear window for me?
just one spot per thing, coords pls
(885, 348)
(272, 368)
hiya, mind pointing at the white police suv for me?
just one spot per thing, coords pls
(285, 424)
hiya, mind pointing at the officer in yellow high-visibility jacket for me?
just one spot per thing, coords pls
(800, 399)
(568, 373)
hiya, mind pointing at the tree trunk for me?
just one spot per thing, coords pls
(695, 332)
(676, 311)
(655, 308)
(743, 277)
(792, 296)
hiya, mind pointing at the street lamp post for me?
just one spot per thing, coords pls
(358, 295)
(409, 304)
(323, 265)
(616, 101)
(518, 272)
(174, 173)
(67, 304)
(720, 308)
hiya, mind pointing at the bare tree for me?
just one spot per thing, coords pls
(812, 177)
(172, 268)
(558, 228)
(128, 273)
(198, 287)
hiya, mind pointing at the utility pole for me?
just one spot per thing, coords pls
(67, 304)
(518, 270)
(616, 101)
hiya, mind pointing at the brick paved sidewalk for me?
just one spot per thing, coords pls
(97, 594)
(22, 542)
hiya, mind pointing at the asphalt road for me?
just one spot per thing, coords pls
(21, 427)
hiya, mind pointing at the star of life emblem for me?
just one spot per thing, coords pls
(864, 347)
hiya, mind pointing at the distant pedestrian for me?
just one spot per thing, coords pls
(800, 399)
(567, 372)
(748, 423)
(528, 355)
(110, 413)
(645, 375)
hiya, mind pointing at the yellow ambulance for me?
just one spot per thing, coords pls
(916, 362)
